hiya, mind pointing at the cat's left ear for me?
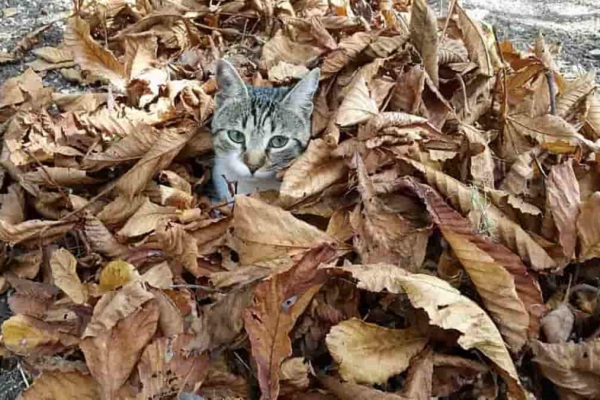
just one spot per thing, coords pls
(301, 95)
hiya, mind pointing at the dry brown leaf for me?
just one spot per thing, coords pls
(146, 219)
(92, 56)
(179, 245)
(88, 102)
(550, 131)
(112, 354)
(58, 176)
(284, 72)
(140, 54)
(382, 235)
(510, 294)
(63, 385)
(314, 171)
(446, 308)
(357, 106)
(281, 48)
(159, 276)
(64, 273)
(53, 55)
(482, 164)
(167, 367)
(34, 230)
(115, 306)
(348, 50)
(353, 391)
(26, 336)
(452, 51)
(576, 92)
(279, 234)
(12, 205)
(562, 190)
(294, 374)
(158, 157)
(120, 210)
(277, 305)
(588, 228)
(420, 376)
(101, 240)
(508, 232)
(368, 353)
(423, 35)
(475, 42)
(571, 366)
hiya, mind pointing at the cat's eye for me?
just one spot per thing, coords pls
(236, 136)
(278, 141)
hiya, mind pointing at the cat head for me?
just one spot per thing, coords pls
(257, 131)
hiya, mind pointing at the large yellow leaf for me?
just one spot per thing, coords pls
(369, 353)
(446, 308)
(92, 56)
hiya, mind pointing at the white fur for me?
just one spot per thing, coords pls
(235, 170)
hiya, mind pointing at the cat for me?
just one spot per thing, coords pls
(257, 131)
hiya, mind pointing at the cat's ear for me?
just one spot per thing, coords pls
(229, 83)
(300, 96)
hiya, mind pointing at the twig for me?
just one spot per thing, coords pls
(550, 79)
(450, 12)
(464, 93)
(23, 376)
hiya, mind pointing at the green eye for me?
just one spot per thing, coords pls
(236, 136)
(278, 141)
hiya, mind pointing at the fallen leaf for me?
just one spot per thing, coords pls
(63, 385)
(357, 106)
(112, 353)
(420, 377)
(179, 245)
(115, 274)
(278, 235)
(277, 305)
(166, 366)
(563, 196)
(314, 171)
(588, 228)
(64, 273)
(353, 391)
(446, 308)
(90, 55)
(146, 219)
(423, 34)
(570, 366)
(368, 353)
(474, 40)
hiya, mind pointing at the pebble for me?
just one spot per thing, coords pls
(595, 53)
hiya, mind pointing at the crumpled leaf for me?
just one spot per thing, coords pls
(588, 228)
(277, 305)
(146, 219)
(64, 385)
(178, 244)
(166, 367)
(446, 308)
(314, 171)
(475, 42)
(368, 353)
(510, 294)
(112, 353)
(353, 391)
(562, 190)
(423, 34)
(382, 235)
(90, 55)
(278, 235)
(570, 366)
(358, 106)
(64, 273)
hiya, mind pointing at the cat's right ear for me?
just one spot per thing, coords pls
(229, 83)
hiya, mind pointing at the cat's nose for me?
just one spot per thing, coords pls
(254, 159)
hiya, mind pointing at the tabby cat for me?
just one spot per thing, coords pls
(257, 131)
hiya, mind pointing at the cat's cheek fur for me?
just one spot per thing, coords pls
(234, 170)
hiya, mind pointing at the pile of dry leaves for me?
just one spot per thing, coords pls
(439, 237)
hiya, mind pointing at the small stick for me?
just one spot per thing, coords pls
(550, 79)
